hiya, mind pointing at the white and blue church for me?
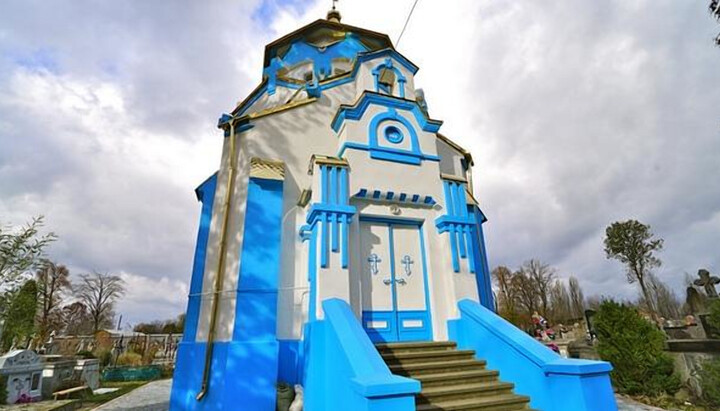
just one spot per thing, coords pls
(341, 248)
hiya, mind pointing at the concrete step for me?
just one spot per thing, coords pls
(459, 377)
(442, 393)
(437, 367)
(416, 346)
(416, 357)
(508, 402)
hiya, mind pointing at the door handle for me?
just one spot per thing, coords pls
(400, 281)
(387, 281)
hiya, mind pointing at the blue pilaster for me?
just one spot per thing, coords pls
(190, 355)
(333, 214)
(459, 224)
(253, 354)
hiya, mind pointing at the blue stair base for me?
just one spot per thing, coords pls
(344, 371)
(553, 383)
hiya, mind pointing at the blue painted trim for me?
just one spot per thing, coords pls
(345, 241)
(343, 186)
(335, 224)
(324, 240)
(391, 220)
(312, 274)
(426, 280)
(206, 194)
(467, 233)
(368, 98)
(454, 249)
(363, 57)
(393, 284)
(325, 191)
(535, 370)
(390, 153)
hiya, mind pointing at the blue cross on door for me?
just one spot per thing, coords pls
(406, 261)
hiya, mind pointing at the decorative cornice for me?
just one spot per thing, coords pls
(267, 169)
(356, 110)
(326, 160)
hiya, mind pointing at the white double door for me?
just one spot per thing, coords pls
(393, 281)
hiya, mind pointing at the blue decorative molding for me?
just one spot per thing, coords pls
(357, 110)
(389, 196)
(458, 223)
(333, 214)
(535, 370)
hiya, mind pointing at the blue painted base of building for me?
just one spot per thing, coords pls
(340, 368)
(242, 373)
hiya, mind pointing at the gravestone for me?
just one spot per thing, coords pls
(22, 370)
(707, 282)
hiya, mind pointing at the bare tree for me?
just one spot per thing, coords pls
(527, 294)
(631, 242)
(560, 305)
(541, 277)
(507, 298)
(98, 292)
(52, 283)
(663, 298)
(76, 319)
(577, 298)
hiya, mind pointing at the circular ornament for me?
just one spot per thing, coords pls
(393, 134)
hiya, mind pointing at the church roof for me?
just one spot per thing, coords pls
(324, 32)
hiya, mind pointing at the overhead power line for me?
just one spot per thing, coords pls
(397, 43)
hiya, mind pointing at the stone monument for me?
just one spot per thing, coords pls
(22, 370)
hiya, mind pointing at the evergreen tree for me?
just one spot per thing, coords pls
(635, 347)
(20, 316)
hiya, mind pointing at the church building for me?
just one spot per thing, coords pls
(341, 248)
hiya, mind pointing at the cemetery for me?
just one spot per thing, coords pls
(346, 255)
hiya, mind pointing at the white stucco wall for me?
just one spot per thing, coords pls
(293, 136)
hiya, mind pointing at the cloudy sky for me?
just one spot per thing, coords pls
(578, 113)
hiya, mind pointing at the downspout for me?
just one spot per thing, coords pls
(219, 277)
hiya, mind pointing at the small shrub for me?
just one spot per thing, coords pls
(3, 390)
(105, 356)
(714, 316)
(86, 355)
(634, 346)
(710, 382)
(129, 359)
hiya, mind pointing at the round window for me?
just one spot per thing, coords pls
(393, 134)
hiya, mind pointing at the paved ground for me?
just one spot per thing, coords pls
(153, 396)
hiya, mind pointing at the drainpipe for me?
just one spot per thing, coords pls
(219, 276)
